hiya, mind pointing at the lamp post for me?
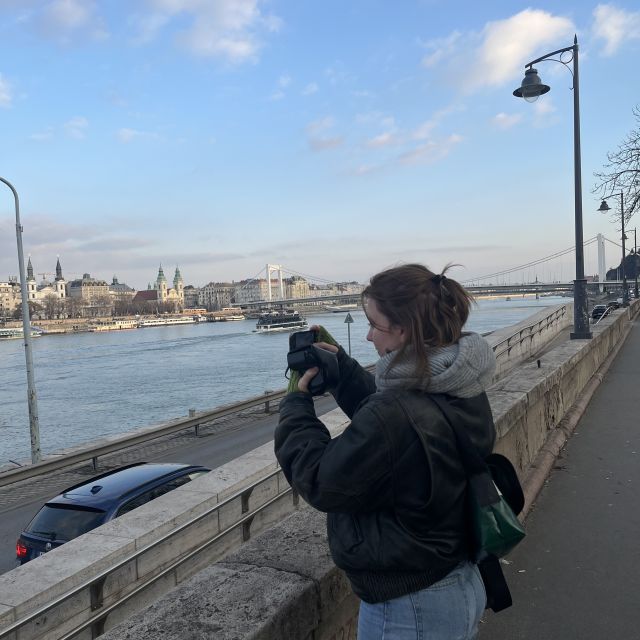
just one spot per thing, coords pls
(34, 427)
(604, 208)
(531, 89)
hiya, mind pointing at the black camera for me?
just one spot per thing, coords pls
(304, 354)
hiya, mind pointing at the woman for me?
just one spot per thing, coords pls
(396, 509)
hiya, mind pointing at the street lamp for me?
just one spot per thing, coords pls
(34, 428)
(604, 208)
(531, 89)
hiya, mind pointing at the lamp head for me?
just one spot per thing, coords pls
(604, 207)
(531, 88)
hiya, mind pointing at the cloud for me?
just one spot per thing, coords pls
(223, 29)
(385, 139)
(506, 121)
(6, 97)
(615, 26)
(310, 89)
(284, 81)
(67, 21)
(498, 53)
(319, 135)
(42, 136)
(430, 151)
(77, 127)
(439, 49)
(128, 135)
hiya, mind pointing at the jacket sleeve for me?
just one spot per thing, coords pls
(350, 473)
(355, 384)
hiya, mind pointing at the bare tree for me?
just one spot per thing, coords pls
(621, 174)
(52, 306)
(74, 306)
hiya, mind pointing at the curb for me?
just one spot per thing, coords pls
(543, 464)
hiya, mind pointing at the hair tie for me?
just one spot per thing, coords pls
(437, 279)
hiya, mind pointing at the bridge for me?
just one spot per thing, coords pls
(237, 555)
(524, 279)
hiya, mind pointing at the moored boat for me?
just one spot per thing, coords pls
(341, 308)
(17, 333)
(283, 320)
(166, 322)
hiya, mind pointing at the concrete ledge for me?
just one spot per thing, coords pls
(281, 585)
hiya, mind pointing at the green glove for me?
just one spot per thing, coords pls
(322, 335)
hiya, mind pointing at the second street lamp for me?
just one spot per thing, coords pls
(531, 89)
(604, 208)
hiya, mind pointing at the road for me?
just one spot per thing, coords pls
(20, 502)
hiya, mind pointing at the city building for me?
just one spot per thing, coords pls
(216, 295)
(10, 297)
(161, 298)
(191, 295)
(38, 292)
(89, 298)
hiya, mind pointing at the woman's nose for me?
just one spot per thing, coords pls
(370, 334)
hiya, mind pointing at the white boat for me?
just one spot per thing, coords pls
(17, 333)
(341, 308)
(114, 325)
(166, 322)
(284, 320)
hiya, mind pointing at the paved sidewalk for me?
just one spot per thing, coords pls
(577, 574)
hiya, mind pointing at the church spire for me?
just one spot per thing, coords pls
(59, 271)
(30, 270)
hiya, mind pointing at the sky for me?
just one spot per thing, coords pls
(333, 138)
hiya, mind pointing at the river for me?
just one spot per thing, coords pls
(91, 385)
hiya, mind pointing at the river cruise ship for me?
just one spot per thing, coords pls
(166, 322)
(283, 320)
(17, 333)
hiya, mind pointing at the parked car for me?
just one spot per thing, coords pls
(614, 304)
(598, 311)
(89, 504)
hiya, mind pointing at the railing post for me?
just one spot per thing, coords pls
(266, 403)
(192, 414)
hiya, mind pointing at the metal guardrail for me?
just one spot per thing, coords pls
(96, 583)
(93, 453)
(196, 419)
(528, 332)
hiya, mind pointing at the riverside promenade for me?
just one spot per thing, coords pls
(577, 573)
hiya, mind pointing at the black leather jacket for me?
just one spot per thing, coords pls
(396, 518)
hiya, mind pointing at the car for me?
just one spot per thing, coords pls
(598, 311)
(614, 304)
(87, 505)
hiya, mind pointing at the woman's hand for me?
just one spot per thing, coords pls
(327, 346)
(303, 383)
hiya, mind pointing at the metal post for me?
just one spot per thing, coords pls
(635, 262)
(32, 401)
(625, 289)
(580, 311)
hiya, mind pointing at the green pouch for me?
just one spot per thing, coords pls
(497, 529)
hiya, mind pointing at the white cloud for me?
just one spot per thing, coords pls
(499, 52)
(127, 135)
(439, 49)
(385, 139)
(42, 136)
(615, 26)
(310, 89)
(508, 44)
(224, 29)
(6, 97)
(320, 137)
(284, 81)
(66, 21)
(430, 151)
(77, 127)
(506, 121)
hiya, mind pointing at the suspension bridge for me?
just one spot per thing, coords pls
(550, 274)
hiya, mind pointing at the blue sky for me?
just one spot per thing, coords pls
(334, 138)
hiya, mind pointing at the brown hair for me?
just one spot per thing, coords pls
(430, 307)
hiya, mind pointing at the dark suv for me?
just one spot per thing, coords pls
(598, 311)
(89, 504)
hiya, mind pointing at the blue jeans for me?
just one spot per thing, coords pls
(447, 610)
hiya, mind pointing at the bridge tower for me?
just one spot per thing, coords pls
(602, 269)
(275, 268)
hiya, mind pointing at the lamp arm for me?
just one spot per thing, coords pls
(572, 48)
